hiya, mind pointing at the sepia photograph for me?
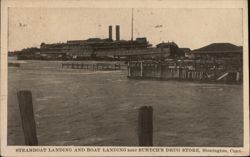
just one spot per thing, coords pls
(132, 79)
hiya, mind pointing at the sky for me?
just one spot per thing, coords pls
(192, 28)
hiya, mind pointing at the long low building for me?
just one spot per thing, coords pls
(221, 55)
(96, 47)
(218, 51)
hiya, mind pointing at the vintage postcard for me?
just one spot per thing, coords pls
(124, 78)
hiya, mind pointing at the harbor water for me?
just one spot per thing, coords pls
(82, 107)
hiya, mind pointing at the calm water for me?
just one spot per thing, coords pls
(83, 107)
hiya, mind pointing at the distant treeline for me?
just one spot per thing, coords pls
(29, 50)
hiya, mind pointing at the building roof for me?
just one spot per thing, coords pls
(219, 48)
(186, 50)
(168, 44)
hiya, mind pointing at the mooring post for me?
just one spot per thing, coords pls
(145, 126)
(141, 69)
(237, 76)
(161, 71)
(27, 117)
(180, 72)
(129, 69)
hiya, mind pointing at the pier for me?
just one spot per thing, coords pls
(96, 66)
(182, 71)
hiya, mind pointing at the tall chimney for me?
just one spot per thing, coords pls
(110, 32)
(117, 28)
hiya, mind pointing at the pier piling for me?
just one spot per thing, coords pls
(145, 126)
(27, 117)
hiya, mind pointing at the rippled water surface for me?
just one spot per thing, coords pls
(84, 107)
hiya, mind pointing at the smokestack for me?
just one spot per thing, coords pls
(110, 32)
(117, 32)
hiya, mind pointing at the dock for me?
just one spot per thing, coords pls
(180, 71)
(94, 67)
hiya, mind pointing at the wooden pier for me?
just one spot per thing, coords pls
(175, 71)
(97, 66)
(10, 64)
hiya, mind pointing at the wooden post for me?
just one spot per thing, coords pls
(180, 72)
(145, 126)
(129, 74)
(141, 69)
(161, 70)
(237, 76)
(27, 117)
(186, 74)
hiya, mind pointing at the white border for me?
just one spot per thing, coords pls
(11, 150)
